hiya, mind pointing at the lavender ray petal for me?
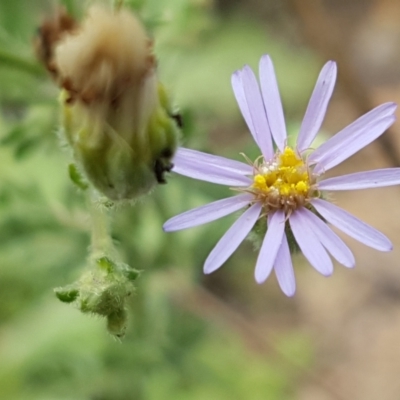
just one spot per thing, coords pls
(232, 238)
(272, 102)
(352, 144)
(257, 112)
(362, 180)
(237, 86)
(317, 106)
(356, 128)
(284, 269)
(197, 157)
(352, 226)
(212, 174)
(185, 164)
(310, 245)
(270, 246)
(332, 242)
(207, 213)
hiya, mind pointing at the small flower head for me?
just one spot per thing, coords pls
(285, 182)
(283, 188)
(115, 113)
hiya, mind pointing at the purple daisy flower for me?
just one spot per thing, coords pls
(283, 187)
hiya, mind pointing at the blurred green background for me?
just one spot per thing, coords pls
(190, 337)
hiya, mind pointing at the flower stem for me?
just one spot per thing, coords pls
(101, 242)
(13, 61)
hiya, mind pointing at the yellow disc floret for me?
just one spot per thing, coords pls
(282, 183)
(302, 187)
(289, 158)
(260, 182)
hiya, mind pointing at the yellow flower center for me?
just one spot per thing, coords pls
(283, 182)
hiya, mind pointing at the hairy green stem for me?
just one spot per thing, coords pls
(101, 241)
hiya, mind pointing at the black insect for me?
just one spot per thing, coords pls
(162, 165)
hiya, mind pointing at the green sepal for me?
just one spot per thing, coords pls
(67, 295)
(129, 272)
(117, 323)
(76, 177)
(106, 263)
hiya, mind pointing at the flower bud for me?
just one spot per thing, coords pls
(103, 290)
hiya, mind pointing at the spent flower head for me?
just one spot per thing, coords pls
(283, 188)
(116, 115)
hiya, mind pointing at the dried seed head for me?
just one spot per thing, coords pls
(108, 55)
(116, 115)
(49, 35)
